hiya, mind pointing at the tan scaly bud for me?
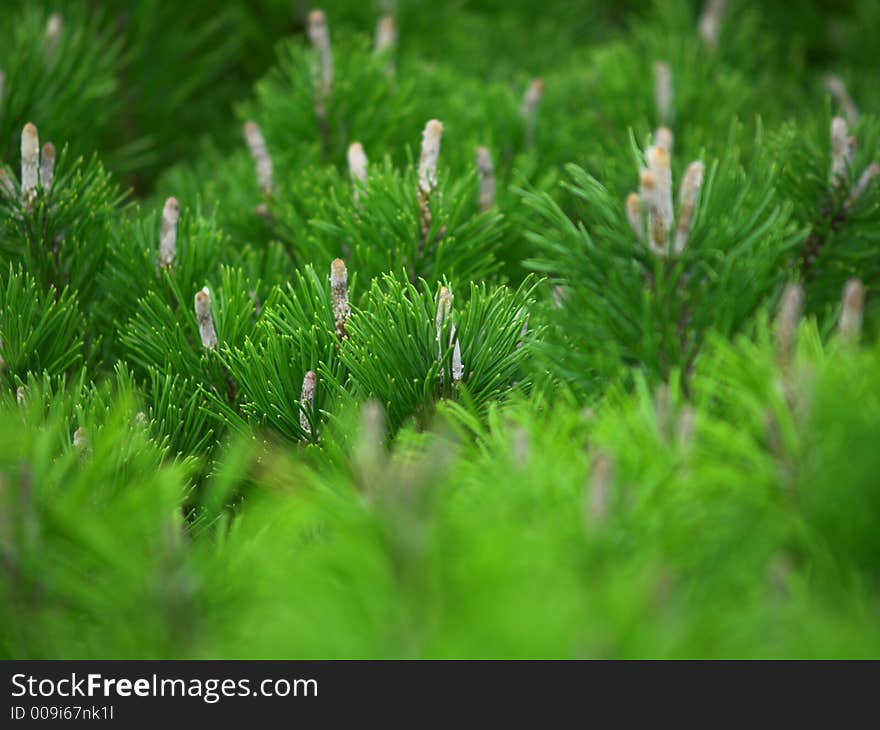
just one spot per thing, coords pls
(357, 168)
(339, 296)
(168, 233)
(842, 150)
(664, 138)
(319, 35)
(386, 34)
(486, 175)
(428, 171)
(529, 108)
(47, 166)
(21, 395)
(54, 25)
(849, 327)
(260, 153)
(663, 92)
(659, 164)
(30, 162)
(323, 83)
(841, 96)
(687, 200)
(634, 213)
(429, 155)
(710, 22)
(207, 333)
(787, 320)
(307, 400)
(656, 228)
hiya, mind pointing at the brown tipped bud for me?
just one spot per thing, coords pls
(849, 327)
(787, 320)
(532, 98)
(486, 175)
(663, 92)
(207, 333)
(710, 22)
(307, 401)
(168, 233)
(386, 34)
(428, 172)
(634, 213)
(648, 183)
(664, 138)
(687, 198)
(257, 146)
(598, 498)
(47, 166)
(660, 164)
(319, 35)
(529, 108)
(859, 189)
(841, 97)
(339, 296)
(21, 395)
(30, 162)
(656, 195)
(656, 227)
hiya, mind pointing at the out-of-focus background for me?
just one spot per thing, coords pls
(157, 75)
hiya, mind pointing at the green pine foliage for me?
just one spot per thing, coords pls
(598, 378)
(619, 304)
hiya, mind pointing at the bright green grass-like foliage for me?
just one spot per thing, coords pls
(598, 378)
